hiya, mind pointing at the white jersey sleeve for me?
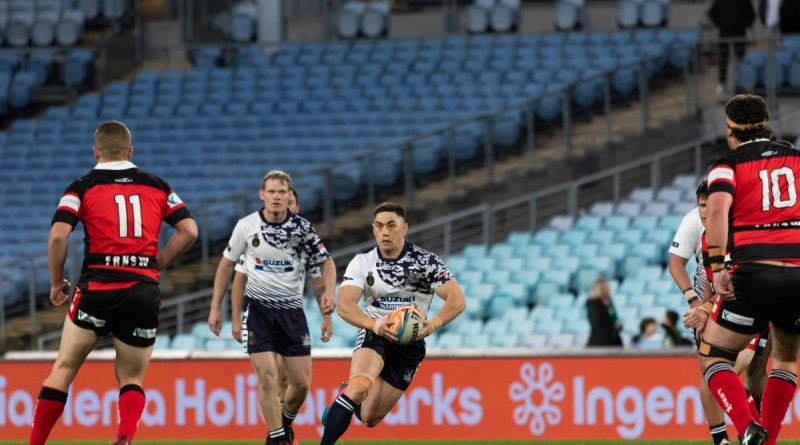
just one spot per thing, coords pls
(687, 242)
(237, 244)
(356, 272)
(240, 266)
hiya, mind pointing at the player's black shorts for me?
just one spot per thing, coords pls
(759, 342)
(130, 315)
(400, 363)
(764, 293)
(283, 331)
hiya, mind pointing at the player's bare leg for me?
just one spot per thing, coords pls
(283, 380)
(717, 353)
(364, 371)
(130, 366)
(76, 343)
(379, 402)
(755, 375)
(266, 369)
(297, 372)
(782, 381)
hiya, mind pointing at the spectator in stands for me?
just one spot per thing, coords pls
(732, 18)
(672, 335)
(648, 337)
(605, 326)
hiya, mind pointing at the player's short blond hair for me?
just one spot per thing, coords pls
(113, 139)
(279, 175)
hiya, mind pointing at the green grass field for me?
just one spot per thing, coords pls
(385, 442)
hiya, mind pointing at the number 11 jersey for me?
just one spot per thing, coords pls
(121, 208)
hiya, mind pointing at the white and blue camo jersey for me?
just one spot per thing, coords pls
(388, 284)
(276, 258)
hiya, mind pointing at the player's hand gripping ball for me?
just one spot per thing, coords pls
(409, 323)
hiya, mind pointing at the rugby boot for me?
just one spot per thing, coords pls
(342, 388)
(755, 434)
(122, 441)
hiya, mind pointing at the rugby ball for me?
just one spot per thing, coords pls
(408, 324)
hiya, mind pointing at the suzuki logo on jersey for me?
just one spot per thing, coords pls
(276, 266)
(127, 260)
(173, 200)
(392, 303)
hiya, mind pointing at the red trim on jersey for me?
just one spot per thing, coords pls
(754, 342)
(74, 305)
(96, 286)
(716, 309)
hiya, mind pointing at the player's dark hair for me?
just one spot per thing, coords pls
(391, 207)
(702, 190)
(112, 139)
(293, 191)
(747, 118)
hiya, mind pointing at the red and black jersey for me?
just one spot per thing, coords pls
(765, 215)
(121, 208)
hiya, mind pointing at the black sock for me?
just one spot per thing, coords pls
(718, 433)
(287, 417)
(338, 420)
(276, 436)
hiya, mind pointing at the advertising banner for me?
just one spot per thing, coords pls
(450, 398)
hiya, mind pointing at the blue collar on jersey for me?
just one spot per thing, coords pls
(402, 252)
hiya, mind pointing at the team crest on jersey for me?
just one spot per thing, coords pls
(370, 279)
(251, 338)
(256, 241)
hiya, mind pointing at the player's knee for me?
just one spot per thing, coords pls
(358, 387)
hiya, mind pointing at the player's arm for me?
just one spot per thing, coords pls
(686, 240)
(721, 189)
(677, 268)
(324, 287)
(237, 302)
(222, 279)
(57, 244)
(185, 235)
(719, 205)
(349, 310)
(454, 304)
